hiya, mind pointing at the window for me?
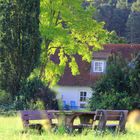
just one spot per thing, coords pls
(98, 66)
(83, 95)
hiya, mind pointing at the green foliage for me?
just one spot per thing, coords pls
(19, 42)
(135, 80)
(133, 30)
(105, 13)
(115, 19)
(122, 4)
(6, 106)
(115, 39)
(5, 98)
(98, 3)
(111, 100)
(34, 95)
(113, 90)
(136, 6)
(36, 105)
(67, 28)
(121, 16)
(61, 130)
(117, 74)
(118, 21)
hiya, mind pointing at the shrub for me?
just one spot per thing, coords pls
(6, 106)
(119, 87)
(5, 97)
(111, 100)
(36, 105)
(34, 95)
(134, 76)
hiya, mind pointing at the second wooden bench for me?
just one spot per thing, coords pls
(103, 116)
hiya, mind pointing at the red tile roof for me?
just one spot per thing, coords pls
(125, 49)
(86, 78)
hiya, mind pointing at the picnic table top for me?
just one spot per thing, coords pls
(72, 112)
(60, 111)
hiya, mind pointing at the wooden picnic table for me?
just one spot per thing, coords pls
(86, 118)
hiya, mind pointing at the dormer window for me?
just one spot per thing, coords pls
(98, 65)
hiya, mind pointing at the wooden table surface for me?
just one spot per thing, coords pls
(69, 116)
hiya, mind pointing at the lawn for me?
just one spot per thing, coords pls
(11, 128)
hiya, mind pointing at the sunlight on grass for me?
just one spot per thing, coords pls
(11, 128)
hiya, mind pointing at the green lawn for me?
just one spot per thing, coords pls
(11, 129)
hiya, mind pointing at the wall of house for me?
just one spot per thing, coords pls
(70, 95)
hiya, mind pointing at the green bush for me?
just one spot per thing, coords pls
(6, 106)
(119, 87)
(5, 98)
(36, 105)
(111, 100)
(34, 95)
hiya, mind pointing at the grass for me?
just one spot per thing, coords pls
(11, 128)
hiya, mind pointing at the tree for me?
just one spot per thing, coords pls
(118, 21)
(98, 3)
(105, 13)
(132, 29)
(135, 80)
(115, 39)
(67, 29)
(33, 92)
(136, 6)
(122, 4)
(113, 2)
(118, 16)
(115, 19)
(133, 23)
(20, 42)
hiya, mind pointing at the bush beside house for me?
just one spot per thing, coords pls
(118, 88)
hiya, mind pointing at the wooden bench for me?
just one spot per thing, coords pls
(102, 116)
(28, 115)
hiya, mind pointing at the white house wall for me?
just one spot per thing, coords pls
(72, 93)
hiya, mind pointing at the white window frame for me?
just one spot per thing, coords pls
(102, 66)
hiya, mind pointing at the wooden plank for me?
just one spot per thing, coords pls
(32, 115)
(110, 114)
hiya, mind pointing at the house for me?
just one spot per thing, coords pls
(75, 91)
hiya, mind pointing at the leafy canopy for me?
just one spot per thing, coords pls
(136, 6)
(67, 28)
